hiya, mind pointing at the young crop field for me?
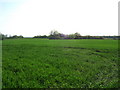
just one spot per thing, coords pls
(43, 63)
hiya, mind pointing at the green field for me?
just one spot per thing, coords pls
(43, 63)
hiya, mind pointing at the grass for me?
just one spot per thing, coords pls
(43, 63)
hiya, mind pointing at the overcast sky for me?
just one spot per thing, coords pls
(39, 17)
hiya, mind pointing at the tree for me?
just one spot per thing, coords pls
(2, 36)
(77, 35)
(54, 35)
(71, 36)
(39, 36)
(15, 36)
(54, 32)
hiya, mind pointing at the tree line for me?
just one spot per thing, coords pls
(2, 37)
(56, 35)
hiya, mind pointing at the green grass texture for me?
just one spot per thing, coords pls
(44, 63)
